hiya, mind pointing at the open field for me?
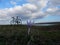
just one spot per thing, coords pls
(39, 35)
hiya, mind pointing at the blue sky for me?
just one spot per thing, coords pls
(7, 3)
(37, 10)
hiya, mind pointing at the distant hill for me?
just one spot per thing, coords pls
(49, 23)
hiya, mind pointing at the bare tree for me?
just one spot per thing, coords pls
(16, 20)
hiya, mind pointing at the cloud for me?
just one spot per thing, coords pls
(53, 11)
(13, 2)
(31, 10)
(39, 3)
(23, 11)
(54, 2)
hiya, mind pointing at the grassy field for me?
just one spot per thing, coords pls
(39, 35)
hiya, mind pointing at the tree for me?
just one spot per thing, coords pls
(16, 20)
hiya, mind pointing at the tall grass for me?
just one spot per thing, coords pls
(39, 35)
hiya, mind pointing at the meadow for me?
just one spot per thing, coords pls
(39, 35)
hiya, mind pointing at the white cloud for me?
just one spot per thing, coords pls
(39, 3)
(13, 2)
(53, 11)
(33, 9)
(24, 11)
(55, 2)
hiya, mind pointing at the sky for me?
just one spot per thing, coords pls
(37, 10)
